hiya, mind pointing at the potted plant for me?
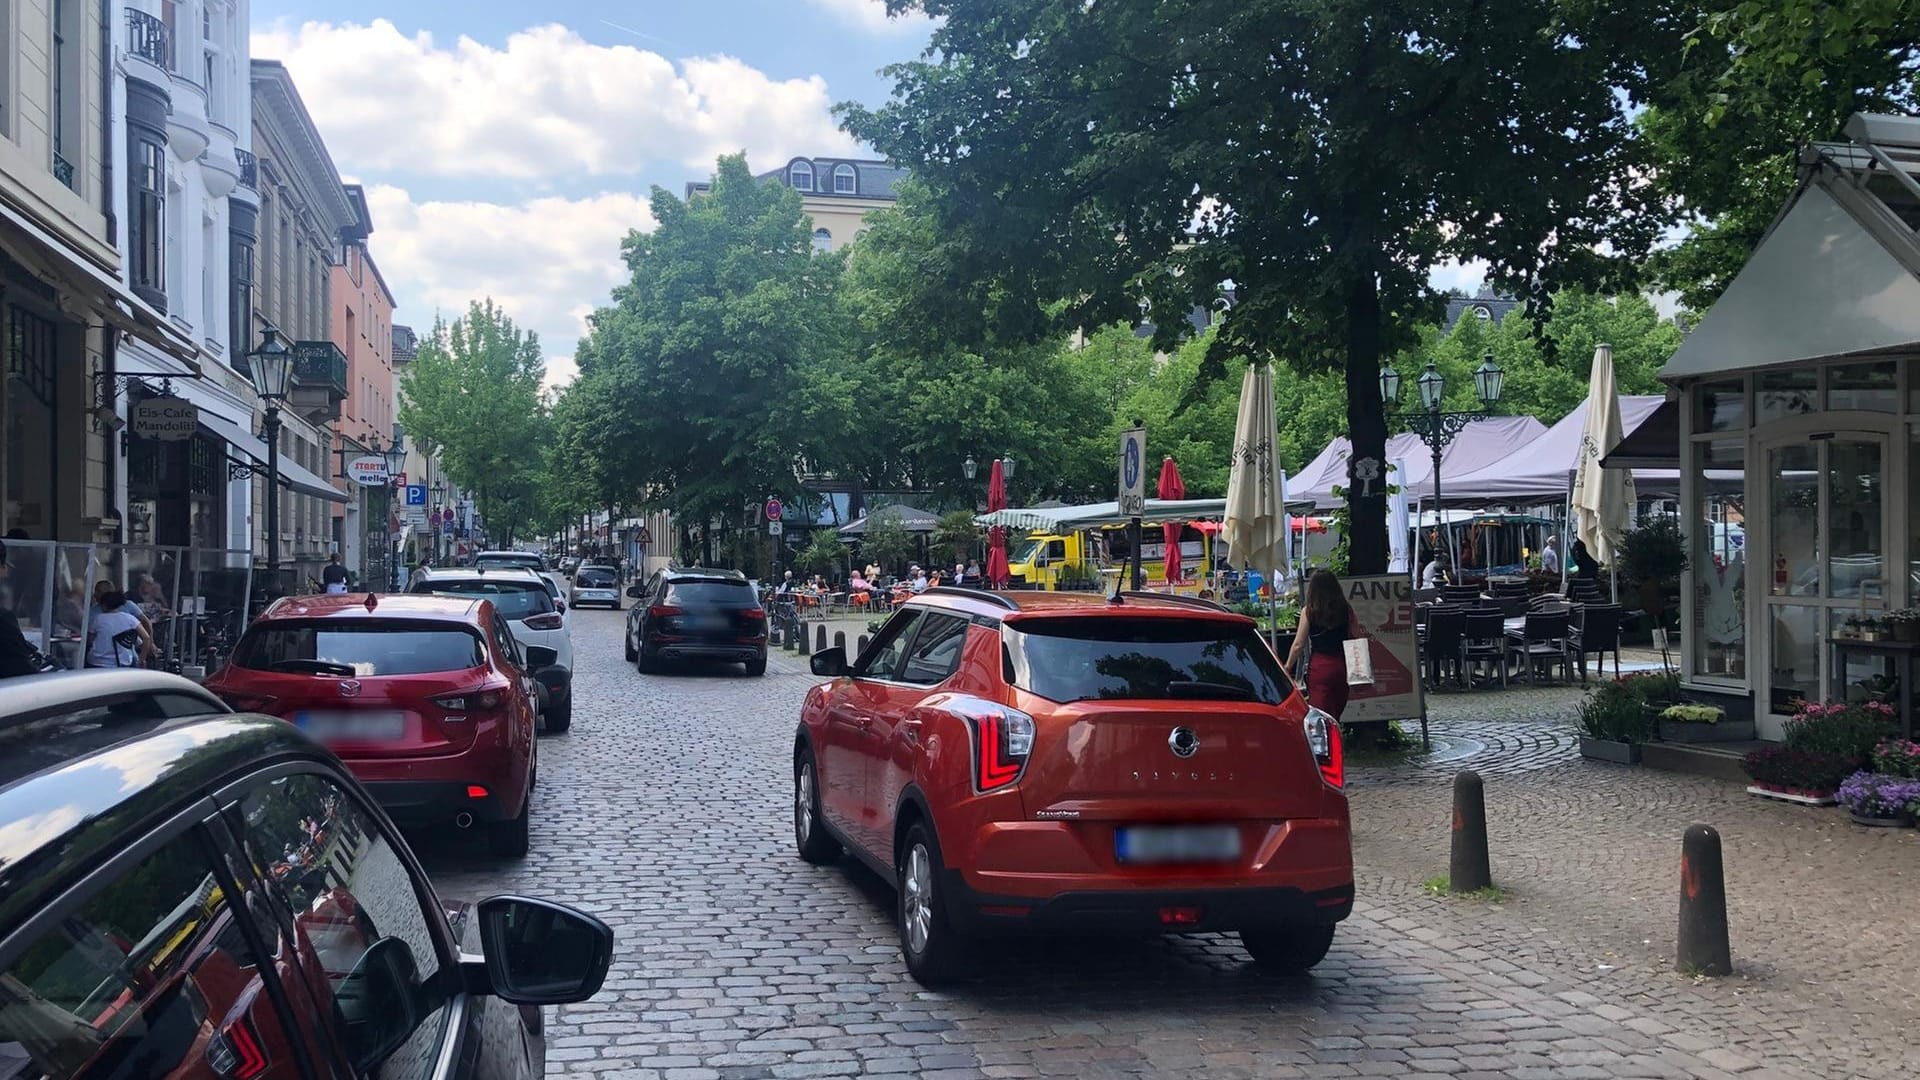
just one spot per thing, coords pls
(1904, 624)
(1880, 800)
(1897, 757)
(1872, 629)
(1808, 777)
(1688, 723)
(1825, 743)
(1613, 724)
(1654, 692)
(1851, 628)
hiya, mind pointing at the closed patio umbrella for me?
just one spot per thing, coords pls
(1254, 526)
(1172, 487)
(1602, 497)
(997, 535)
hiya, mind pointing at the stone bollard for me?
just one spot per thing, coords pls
(840, 640)
(1704, 948)
(863, 643)
(1468, 869)
(820, 637)
(801, 635)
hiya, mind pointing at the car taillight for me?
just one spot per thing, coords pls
(545, 621)
(754, 614)
(246, 702)
(1002, 740)
(235, 1053)
(472, 701)
(1323, 739)
(663, 611)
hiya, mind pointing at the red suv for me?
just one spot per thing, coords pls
(428, 699)
(1031, 761)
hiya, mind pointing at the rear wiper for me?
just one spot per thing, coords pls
(1212, 691)
(314, 667)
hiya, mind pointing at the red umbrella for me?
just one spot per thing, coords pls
(997, 536)
(1172, 487)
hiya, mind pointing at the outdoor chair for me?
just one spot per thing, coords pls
(1548, 602)
(1446, 632)
(1597, 632)
(1485, 642)
(1586, 591)
(1459, 594)
(1508, 606)
(1542, 643)
(1510, 588)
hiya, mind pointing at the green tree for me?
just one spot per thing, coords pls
(955, 537)
(825, 554)
(1321, 155)
(887, 543)
(473, 393)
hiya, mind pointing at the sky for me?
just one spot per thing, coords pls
(508, 147)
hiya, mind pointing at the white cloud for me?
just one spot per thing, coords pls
(871, 16)
(547, 104)
(548, 261)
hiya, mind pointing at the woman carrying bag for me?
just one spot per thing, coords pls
(1326, 626)
(117, 638)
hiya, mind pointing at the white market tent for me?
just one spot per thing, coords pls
(1482, 443)
(1538, 471)
(1064, 519)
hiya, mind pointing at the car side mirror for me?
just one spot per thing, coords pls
(542, 953)
(378, 1003)
(635, 592)
(539, 656)
(830, 663)
(562, 605)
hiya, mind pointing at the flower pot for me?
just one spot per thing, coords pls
(1905, 630)
(1623, 753)
(1724, 731)
(1792, 795)
(1901, 822)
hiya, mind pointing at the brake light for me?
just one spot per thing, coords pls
(1002, 740)
(663, 611)
(246, 702)
(482, 700)
(545, 621)
(235, 1054)
(1323, 739)
(754, 614)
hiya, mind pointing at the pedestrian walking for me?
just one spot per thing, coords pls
(1326, 625)
(117, 638)
(17, 654)
(334, 577)
(1549, 558)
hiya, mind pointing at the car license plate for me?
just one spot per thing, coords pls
(1177, 844)
(370, 726)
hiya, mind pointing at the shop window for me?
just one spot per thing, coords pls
(31, 404)
(1720, 559)
(1864, 387)
(240, 315)
(1780, 394)
(1720, 406)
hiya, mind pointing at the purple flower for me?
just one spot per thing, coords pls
(1878, 795)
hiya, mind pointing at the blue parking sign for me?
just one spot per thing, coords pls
(416, 494)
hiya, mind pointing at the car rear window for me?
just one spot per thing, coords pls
(368, 647)
(595, 578)
(513, 599)
(503, 561)
(737, 594)
(1112, 658)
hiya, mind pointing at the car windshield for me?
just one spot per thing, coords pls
(514, 599)
(731, 594)
(528, 562)
(1111, 658)
(359, 647)
(594, 577)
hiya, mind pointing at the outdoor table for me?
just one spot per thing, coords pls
(1900, 656)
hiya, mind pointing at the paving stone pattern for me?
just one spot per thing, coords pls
(665, 811)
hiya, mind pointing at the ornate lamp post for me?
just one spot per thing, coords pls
(1437, 428)
(396, 456)
(271, 368)
(439, 501)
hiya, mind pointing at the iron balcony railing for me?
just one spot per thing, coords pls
(320, 364)
(63, 170)
(147, 39)
(249, 169)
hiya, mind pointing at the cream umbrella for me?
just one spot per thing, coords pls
(1602, 498)
(1254, 527)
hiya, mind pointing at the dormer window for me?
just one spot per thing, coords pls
(1483, 313)
(844, 180)
(800, 176)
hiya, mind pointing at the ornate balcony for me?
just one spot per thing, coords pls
(63, 170)
(147, 39)
(319, 380)
(249, 169)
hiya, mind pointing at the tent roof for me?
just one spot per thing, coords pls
(1094, 515)
(1481, 443)
(911, 518)
(1539, 469)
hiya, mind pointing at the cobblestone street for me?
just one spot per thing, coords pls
(666, 811)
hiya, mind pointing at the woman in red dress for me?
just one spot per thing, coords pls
(1326, 624)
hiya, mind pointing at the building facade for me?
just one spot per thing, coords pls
(304, 210)
(362, 329)
(837, 193)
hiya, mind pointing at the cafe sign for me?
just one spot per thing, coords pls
(368, 471)
(168, 419)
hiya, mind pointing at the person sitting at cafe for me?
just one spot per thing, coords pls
(920, 582)
(858, 582)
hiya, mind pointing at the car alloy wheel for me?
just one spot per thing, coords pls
(916, 898)
(803, 804)
(809, 832)
(932, 947)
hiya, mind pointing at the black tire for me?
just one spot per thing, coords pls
(615, 606)
(559, 718)
(934, 951)
(810, 836)
(508, 839)
(626, 642)
(646, 662)
(758, 665)
(1288, 950)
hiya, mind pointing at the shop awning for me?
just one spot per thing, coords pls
(43, 253)
(1061, 519)
(1655, 444)
(911, 518)
(292, 475)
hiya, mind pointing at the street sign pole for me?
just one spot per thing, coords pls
(1133, 491)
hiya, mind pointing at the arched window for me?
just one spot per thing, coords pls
(800, 176)
(822, 240)
(844, 180)
(1483, 312)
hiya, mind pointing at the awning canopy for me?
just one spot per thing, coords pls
(1655, 444)
(1540, 469)
(44, 254)
(1480, 444)
(1063, 519)
(911, 518)
(292, 475)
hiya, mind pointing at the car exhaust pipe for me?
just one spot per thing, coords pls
(463, 820)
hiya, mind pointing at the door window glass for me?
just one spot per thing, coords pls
(1856, 563)
(1795, 514)
(1795, 630)
(1866, 387)
(882, 658)
(935, 653)
(1780, 394)
(151, 976)
(358, 919)
(1720, 559)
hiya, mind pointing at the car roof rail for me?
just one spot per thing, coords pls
(973, 594)
(1187, 601)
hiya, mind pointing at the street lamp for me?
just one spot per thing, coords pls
(970, 468)
(1437, 428)
(271, 368)
(439, 501)
(1006, 466)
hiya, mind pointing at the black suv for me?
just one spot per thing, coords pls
(189, 892)
(692, 613)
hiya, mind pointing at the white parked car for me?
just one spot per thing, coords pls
(527, 560)
(597, 583)
(523, 597)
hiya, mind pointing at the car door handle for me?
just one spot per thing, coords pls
(910, 730)
(866, 723)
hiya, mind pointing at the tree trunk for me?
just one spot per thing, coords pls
(1367, 428)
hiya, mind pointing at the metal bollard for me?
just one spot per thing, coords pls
(801, 634)
(840, 640)
(1468, 869)
(820, 637)
(863, 643)
(1704, 948)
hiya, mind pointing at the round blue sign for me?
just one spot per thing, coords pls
(1130, 464)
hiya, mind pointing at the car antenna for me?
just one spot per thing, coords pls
(1116, 598)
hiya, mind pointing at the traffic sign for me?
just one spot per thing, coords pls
(1133, 472)
(776, 527)
(643, 535)
(416, 494)
(774, 509)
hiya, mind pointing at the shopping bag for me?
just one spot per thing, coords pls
(1359, 661)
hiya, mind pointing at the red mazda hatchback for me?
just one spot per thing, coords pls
(1033, 761)
(428, 699)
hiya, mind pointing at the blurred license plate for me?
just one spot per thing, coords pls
(1177, 844)
(352, 726)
